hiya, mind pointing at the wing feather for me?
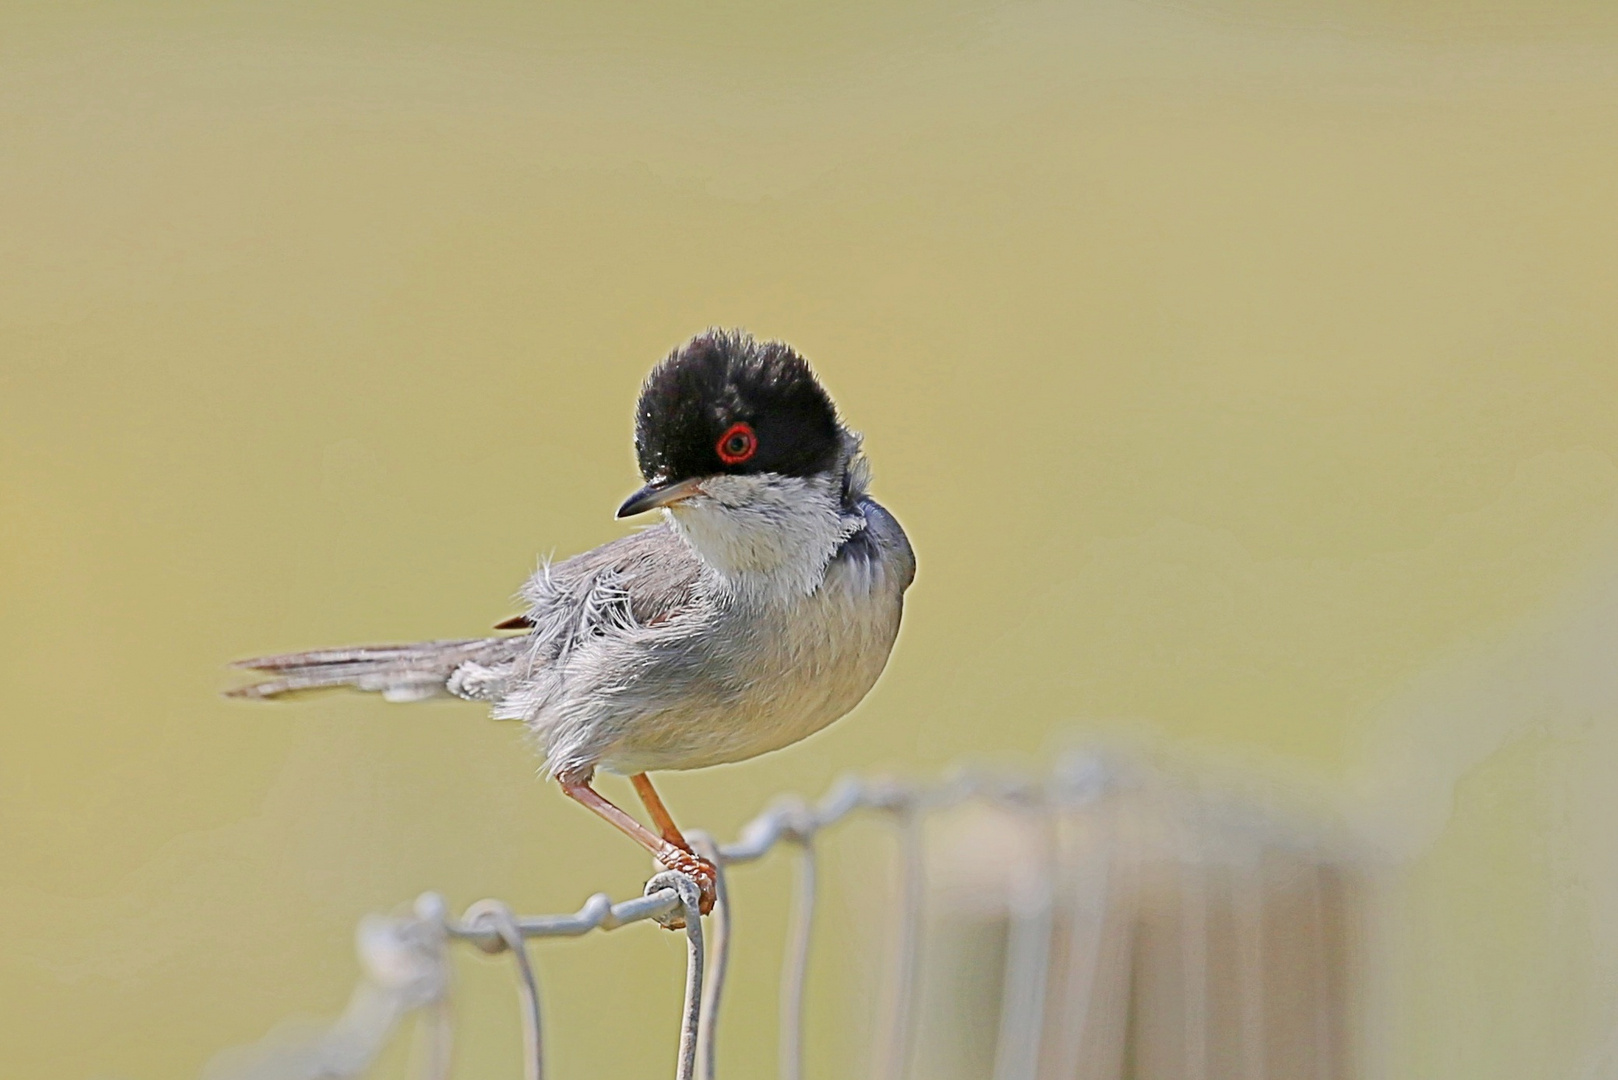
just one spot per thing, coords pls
(643, 579)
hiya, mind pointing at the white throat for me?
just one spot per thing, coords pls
(766, 533)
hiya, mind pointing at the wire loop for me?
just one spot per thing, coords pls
(406, 958)
(495, 915)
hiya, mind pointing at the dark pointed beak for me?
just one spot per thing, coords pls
(658, 494)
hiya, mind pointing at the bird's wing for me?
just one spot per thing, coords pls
(640, 580)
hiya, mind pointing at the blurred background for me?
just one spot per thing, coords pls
(1243, 371)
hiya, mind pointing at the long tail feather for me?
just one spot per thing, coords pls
(397, 672)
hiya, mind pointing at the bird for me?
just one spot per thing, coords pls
(760, 609)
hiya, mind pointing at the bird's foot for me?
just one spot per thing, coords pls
(699, 870)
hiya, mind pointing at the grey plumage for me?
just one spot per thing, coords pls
(569, 603)
(635, 643)
(762, 609)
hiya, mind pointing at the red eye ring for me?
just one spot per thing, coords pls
(737, 444)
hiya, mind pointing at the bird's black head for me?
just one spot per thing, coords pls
(725, 403)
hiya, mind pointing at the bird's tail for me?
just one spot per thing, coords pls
(398, 672)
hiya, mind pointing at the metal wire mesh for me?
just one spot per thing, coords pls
(1069, 910)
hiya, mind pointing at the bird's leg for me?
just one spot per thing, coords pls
(664, 851)
(660, 813)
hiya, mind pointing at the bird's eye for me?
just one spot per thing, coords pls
(737, 444)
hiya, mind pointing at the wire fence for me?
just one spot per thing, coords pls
(1062, 925)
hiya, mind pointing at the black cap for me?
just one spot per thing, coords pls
(725, 403)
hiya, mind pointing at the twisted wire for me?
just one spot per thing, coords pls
(491, 926)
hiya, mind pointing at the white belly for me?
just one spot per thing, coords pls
(807, 664)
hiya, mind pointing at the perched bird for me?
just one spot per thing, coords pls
(761, 609)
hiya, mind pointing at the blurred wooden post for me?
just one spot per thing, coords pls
(1195, 937)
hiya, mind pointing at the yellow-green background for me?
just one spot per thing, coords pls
(1245, 371)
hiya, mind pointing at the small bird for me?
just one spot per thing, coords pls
(762, 608)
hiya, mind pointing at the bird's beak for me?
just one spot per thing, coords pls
(659, 493)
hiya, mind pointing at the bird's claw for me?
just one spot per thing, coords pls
(699, 870)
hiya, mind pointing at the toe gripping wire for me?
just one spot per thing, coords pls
(406, 958)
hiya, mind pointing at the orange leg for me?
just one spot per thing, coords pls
(660, 813)
(664, 851)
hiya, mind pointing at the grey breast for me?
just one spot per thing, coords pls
(881, 548)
